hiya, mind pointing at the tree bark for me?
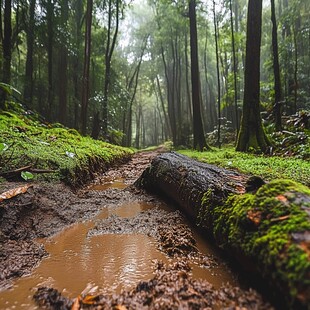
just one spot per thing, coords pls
(264, 226)
(77, 66)
(63, 65)
(235, 62)
(277, 109)
(85, 79)
(50, 53)
(7, 42)
(28, 86)
(252, 134)
(218, 78)
(108, 57)
(199, 138)
(185, 181)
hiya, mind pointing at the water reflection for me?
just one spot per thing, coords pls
(112, 262)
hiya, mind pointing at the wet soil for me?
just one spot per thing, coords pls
(180, 271)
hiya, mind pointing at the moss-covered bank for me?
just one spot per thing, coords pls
(271, 229)
(26, 141)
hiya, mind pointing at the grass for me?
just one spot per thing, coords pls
(267, 167)
(44, 146)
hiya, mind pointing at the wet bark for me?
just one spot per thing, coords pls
(246, 225)
(186, 181)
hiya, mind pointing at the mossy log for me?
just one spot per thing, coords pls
(264, 224)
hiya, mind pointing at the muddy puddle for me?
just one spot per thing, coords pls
(118, 184)
(111, 261)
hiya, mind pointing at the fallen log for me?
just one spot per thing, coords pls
(266, 225)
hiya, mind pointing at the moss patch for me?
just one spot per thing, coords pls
(267, 167)
(272, 229)
(74, 158)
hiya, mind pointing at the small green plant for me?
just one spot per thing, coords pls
(3, 147)
(8, 89)
(26, 175)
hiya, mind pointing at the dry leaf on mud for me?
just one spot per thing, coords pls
(281, 198)
(76, 304)
(14, 192)
(120, 307)
(89, 299)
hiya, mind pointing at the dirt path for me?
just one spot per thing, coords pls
(48, 208)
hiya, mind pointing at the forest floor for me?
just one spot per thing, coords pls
(47, 208)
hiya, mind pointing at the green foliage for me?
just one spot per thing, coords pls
(72, 156)
(265, 166)
(26, 175)
(8, 89)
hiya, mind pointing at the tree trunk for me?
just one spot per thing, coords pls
(7, 50)
(234, 65)
(133, 83)
(77, 66)
(260, 228)
(85, 79)
(218, 78)
(50, 43)
(167, 123)
(108, 57)
(63, 65)
(7, 42)
(277, 109)
(199, 138)
(171, 115)
(28, 86)
(252, 134)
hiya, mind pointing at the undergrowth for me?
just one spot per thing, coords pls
(26, 141)
(267, 167)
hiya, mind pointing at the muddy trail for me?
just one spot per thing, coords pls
(110, 246)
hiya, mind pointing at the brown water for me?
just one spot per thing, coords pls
(118, 183)
(111, 262)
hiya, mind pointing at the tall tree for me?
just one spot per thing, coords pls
(63, 64)
(28, 86)
(111, 41)
(50, 54)
(252, 134)
(235, 61)
(87, 53)
(7, 42)
(216, 37)
(199, 138)
(77, 66)
(276, 71)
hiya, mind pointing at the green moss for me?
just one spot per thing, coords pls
(72, 156)
(264, 226)
(267, 167)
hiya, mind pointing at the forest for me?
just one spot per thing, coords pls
(138, 73)
(154, 154)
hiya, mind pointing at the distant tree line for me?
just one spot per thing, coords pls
(143, 73)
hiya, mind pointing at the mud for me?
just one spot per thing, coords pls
(48, 208)
(172, 287)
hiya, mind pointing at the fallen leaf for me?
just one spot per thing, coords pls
(89, 299)
(14, 192)
(120, 307)
(255, 217)
(281, 198)
(76, 304)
